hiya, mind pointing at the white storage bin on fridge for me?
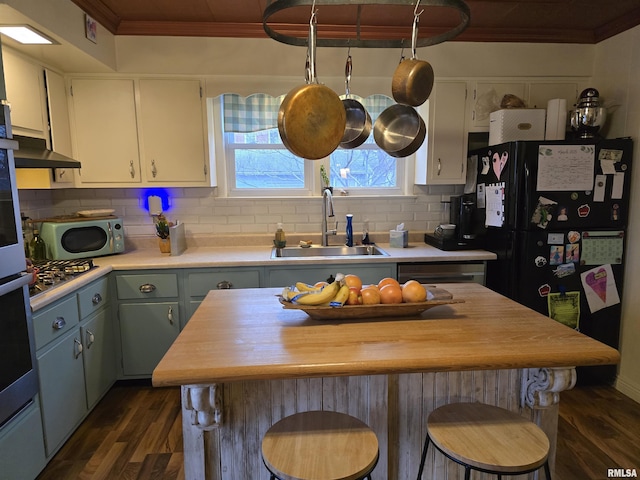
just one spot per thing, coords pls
(516, 124)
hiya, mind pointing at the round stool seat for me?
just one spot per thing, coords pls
(320, 445)
(488, 438)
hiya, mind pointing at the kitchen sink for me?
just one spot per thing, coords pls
(330, 251)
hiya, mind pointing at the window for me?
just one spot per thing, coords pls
(256, 162)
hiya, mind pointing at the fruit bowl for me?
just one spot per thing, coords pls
(437, 297)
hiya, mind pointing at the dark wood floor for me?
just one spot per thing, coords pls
(135, 433)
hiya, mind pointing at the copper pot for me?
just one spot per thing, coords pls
(412, 81)
(312, 118)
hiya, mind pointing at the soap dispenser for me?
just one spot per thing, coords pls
(349, 230)
(280, 241)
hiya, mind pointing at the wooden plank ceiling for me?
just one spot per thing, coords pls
(540, 21)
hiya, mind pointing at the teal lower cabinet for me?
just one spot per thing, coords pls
(284, 276)
(62, 388)
(148, 318)
(76, 356)
(22, 453)
(200, 281)
(147, 330)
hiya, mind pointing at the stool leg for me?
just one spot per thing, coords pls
(467, 472)
(424, 456)
(547, 470)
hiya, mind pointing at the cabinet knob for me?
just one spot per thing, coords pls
(154, 170)
(439, 166)
(224, 285)
(78, 345)
(59, 323)
(147, 288)
(97, 298)
(132, 170)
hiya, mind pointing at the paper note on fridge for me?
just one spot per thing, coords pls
(494, 196)
(600, 287)
(565, 167)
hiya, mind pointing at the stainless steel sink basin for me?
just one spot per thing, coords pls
(331, 251)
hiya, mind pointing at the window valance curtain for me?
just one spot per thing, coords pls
(260, 111)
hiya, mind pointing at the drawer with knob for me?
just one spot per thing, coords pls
(51, 323)
(93, 297)
(147, 286)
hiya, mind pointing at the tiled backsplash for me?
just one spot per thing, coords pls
(206, 215)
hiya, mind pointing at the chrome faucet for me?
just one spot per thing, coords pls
(327, 211)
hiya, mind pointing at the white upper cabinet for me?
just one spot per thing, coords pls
(140, 131)
(24, 81)
(105, 127)
(488, 95)
(442, 157)
(173, 133)
(541, 92)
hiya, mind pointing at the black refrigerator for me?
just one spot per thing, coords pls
(555, 213)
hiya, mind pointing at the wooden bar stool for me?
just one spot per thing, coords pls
(487, 438)
(320, 445)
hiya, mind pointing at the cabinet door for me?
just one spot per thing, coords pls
(488, 95)
(62, 389)
(24, 83)
(442, 158)
(106, 136)
(100, 366)
(59, 123)
(173, 135)
(147, 330)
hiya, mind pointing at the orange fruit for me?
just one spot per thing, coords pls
(387, 281)
(391, 293)
(370, 295)
(353, 281)
(413, 291)
(320, 284)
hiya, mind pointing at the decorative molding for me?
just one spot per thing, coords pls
(541, 387)
(204, 405)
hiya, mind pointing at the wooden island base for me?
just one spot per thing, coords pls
(394, 406)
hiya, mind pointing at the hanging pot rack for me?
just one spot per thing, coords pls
(274, 6)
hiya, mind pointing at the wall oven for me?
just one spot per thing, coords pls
(18, 374)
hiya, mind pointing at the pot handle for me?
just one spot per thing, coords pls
(414, 30)
(347, 75)
(312, 46)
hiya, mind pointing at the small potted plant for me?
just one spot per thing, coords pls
(325, 179)
(162, 231)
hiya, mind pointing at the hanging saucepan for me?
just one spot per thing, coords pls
(358, 125)
(412, 81)
(399, 130)
(311, 119)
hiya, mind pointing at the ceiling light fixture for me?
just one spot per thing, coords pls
(26, 34)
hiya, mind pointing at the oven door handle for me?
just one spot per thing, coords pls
(19, 282)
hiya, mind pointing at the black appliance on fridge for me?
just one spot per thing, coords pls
(555, 213)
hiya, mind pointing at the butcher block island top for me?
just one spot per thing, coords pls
(246, 334)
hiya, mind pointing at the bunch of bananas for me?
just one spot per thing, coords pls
(334, 294)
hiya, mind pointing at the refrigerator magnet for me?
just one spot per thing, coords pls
(544, 290)
(615, 212)
(562, 214)
(572, 253)
(556, 255)
(584, 210)
(486, 164)
(543, 213)
(540, 261)
(573, 236)
(565, 270)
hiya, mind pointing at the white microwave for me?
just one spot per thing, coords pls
(83, 239)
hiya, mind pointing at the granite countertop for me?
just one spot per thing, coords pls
(238, 256)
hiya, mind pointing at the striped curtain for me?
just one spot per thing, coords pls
(260, 111)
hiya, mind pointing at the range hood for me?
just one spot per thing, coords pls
(33, 153)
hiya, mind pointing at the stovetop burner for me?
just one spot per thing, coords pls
(52, 273)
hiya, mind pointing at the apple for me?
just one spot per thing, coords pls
(355, 298)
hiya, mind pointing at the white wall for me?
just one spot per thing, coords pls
(617, 67)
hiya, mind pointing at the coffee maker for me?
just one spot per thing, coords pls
(469, 227)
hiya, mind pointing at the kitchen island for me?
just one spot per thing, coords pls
(244, 362)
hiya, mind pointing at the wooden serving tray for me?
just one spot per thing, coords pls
(437, 296)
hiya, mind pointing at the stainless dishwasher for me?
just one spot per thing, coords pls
(442, 272)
